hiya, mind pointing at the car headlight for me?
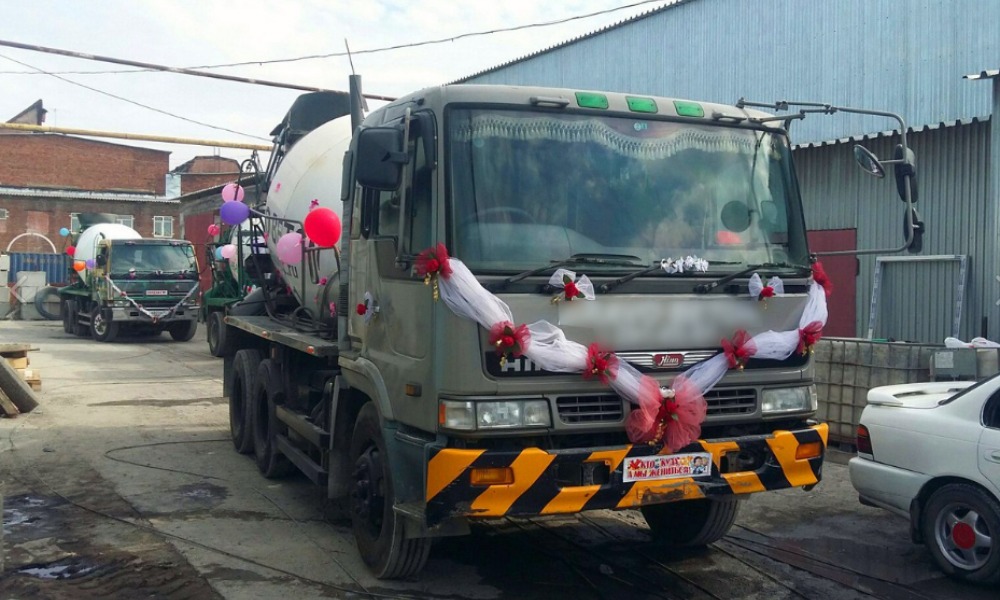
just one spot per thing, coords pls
(506, 414)
(788, 400)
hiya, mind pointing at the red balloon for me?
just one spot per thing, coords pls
(322, 226)
(71, 250)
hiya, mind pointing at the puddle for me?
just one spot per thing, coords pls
(67, 568)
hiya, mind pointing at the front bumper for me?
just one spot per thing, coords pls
(131, 314)
(539, 486)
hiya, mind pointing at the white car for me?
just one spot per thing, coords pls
(931, 452)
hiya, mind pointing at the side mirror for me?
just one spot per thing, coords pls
(903, 170)
(917, 243)
(380, 158)
(868, 162)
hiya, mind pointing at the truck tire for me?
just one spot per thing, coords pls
(691, 523)
(183, 331)
(268, 393)
(102, 328)
(76, 327)
(67, 316)
(41, 301)
(217, 339)
(241, 393)
(961, 527)
(378, 529)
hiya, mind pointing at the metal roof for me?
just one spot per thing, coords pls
(83, 195)
(866, 53)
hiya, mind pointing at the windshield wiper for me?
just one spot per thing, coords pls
(607, 287)
(704, 288)
(617, 260)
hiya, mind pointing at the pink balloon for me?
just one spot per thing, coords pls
(232, 191)
(289, 248)
(322, 225)
(214, 229)
(228, 251)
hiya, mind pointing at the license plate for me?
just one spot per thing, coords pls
(669, 466)
(157, 293)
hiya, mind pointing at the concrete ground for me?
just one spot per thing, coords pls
(123, 484)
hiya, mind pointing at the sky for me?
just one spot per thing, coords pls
(190, 33)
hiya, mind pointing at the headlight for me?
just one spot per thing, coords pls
(787, 400)
(506, 414)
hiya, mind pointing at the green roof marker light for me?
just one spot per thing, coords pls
(589, 100)
(688, 109)
(643, 105)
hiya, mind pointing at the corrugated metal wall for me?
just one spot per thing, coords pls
(953, 177)
(902, 56)
(56, 266)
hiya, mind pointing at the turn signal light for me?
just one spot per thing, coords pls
(864, 441)
(810, 450)
(491, 476)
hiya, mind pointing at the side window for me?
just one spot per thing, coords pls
(382, 211)
(991, 412)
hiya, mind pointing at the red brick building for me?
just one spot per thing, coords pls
(203, 172)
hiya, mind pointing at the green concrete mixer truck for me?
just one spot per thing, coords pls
(124, 283)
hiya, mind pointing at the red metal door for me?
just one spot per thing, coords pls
(196, 232)
(843, 272)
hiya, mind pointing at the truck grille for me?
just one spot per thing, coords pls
(609, 408)
(731, 402)
(590, 409)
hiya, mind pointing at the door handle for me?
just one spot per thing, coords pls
(994, 456)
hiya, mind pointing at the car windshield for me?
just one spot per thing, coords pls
(152, 258)
(527, 188)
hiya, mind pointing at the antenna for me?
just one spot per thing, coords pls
(350, 59)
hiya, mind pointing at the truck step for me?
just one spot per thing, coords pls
(304, 427)
(305, 464)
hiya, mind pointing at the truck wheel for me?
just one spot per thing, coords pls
(41, 302)
(78, 329)
(378, 530)
(102, 328)
(690, 523)
(244, 370)
(183, 331)
(268, 392)
(217, 339)
(961, 526)
(67, 316)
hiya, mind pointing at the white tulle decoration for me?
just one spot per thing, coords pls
(815, 309)
(550, 350)
(680, 265)
(583, 285)
(466, 297)
(756, 286)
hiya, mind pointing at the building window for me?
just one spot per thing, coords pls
(163, 227)
(126, 220)
(74, 222)
(3, 214)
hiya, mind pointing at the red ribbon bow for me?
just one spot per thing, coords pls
(766, 292)
(738, 350)
(809, 335)
(601, 364)
(433, 261)
(509, 340)
(821, 278)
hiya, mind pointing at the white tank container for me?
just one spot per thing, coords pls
(86, 244)
(311, 170)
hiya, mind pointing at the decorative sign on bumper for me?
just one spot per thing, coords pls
(670, 466)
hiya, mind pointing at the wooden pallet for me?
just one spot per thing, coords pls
(17, 356)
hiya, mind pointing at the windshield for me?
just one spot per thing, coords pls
(527, 188)
(152, 258)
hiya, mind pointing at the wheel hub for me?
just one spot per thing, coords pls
(963, 536)
(367, 498)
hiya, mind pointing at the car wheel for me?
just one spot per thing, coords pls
(378, 528)
(240, 398)
(961, 526)
(268, 393)
(102, 328)
(67, 316)
(689, 523)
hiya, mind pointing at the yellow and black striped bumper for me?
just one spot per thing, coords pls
(538, 488)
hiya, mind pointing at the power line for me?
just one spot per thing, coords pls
(123, 99)
(368, 51)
